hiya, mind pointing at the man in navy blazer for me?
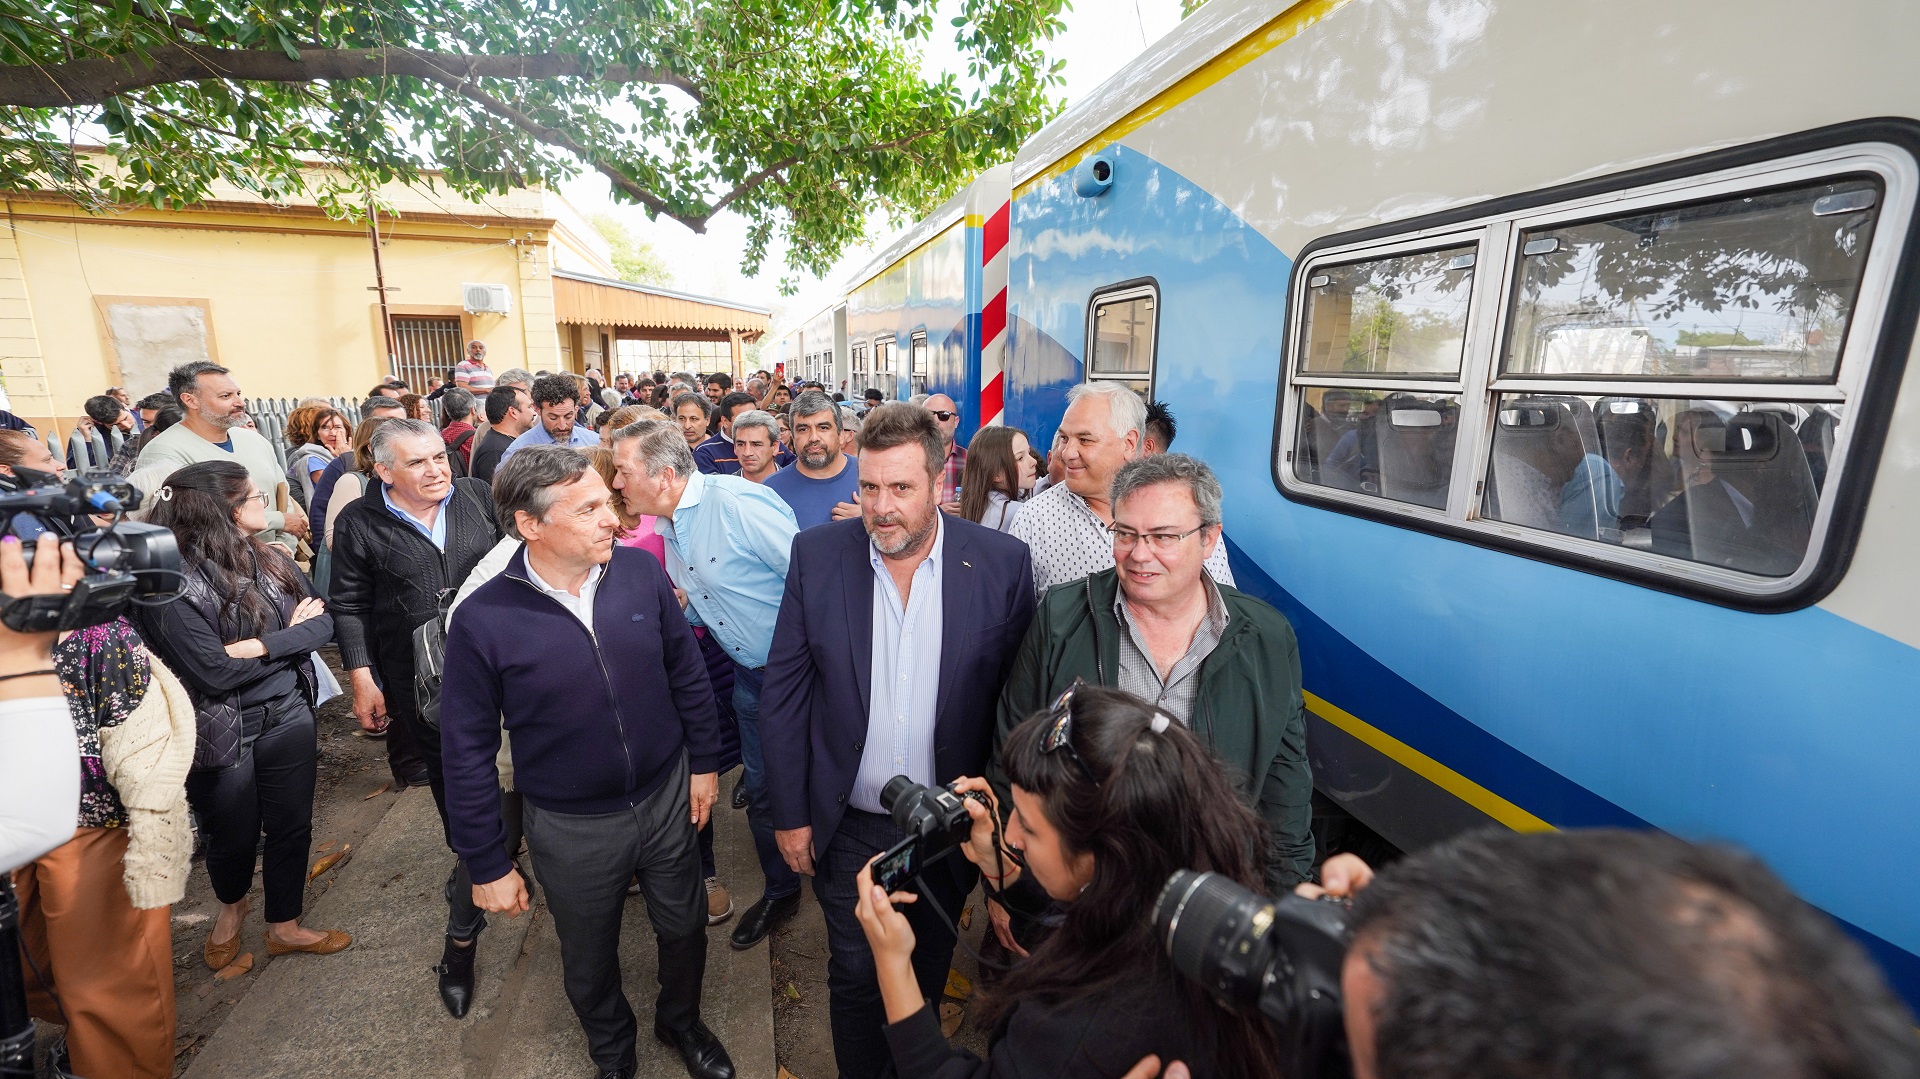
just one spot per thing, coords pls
(895, 635)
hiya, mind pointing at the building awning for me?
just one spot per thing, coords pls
(585, 300)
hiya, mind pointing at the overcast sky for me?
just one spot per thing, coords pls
(1100, 37)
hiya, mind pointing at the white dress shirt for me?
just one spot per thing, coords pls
(582, 604)
(904, 698)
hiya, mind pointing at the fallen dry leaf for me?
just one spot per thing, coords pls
(332, 861)
(378, 791)
(958, 987)
(783, 1073)
(950, 1016)
(327, 846)
(235, 969)
(966, 918)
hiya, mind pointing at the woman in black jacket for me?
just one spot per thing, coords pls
(1110, 797)
(242, 637)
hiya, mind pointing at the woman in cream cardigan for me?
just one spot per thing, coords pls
(96, 910)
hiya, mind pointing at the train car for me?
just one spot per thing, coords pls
(1554, 360)
(928, 314)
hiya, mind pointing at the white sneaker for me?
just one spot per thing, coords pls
(719, 903)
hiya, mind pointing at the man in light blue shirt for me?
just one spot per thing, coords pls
(556, 399)
(728, 541)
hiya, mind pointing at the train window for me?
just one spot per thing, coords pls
(1760, 285)
(917, 362)
(1121, 336)
(1398, 445)
(1405, 314)
(857, 368)
(1728, 485)
(884, 376)
(1664, 378)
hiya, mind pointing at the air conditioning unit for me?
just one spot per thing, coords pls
(481, 299)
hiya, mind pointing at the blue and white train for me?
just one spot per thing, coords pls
(1554, 359)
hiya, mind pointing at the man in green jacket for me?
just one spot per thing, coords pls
(1157, 625)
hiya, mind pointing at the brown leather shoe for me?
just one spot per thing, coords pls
(221, 954)
(334, 941)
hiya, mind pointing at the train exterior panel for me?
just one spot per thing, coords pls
(1460, 672)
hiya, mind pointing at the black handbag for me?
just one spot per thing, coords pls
(430, 660)
(217, 723)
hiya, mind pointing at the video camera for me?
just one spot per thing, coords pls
(935, 820)
(1282, 956)
(127, 562)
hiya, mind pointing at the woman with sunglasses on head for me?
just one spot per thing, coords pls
(1110, 797)
(241, 637)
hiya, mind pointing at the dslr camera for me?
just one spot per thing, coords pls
(935, 820)
(127, 562)
(1281, 956)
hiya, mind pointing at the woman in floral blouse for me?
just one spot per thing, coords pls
(112, 964)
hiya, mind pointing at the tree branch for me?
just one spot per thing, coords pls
(92, 81)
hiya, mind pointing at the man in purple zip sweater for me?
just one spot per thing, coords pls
(617, 781)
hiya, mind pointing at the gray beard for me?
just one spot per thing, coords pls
(826, 458)
(913, 539)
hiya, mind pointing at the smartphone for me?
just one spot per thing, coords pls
(898, 866)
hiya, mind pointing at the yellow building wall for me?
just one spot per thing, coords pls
(286, 295)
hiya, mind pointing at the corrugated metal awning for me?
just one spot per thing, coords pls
(582, 299)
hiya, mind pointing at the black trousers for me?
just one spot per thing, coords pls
(463, 918)
(856, 1012)
(270, 788)
(584, 863)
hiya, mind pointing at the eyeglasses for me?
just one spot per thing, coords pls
(1060, 731)
(941, 415)
(1127, 538)
(257, 496)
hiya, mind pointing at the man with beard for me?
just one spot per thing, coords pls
(727, 541)
(822, 482)
(214, 429)
(895, 633)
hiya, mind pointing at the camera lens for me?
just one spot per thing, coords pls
(1216, 933)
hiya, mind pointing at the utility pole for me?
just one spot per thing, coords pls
(380, 282)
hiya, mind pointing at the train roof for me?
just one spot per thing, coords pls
(940, 220)
(1202, 43)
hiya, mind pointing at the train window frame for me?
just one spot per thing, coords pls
(1865, 381)
(857, 366)
(1117, 292)
(918, 361)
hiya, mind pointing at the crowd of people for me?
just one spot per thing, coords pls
(570, 606)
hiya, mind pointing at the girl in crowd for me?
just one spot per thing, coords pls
(1000, 472)
(242, 637)
(315, 434)
(1110, 796)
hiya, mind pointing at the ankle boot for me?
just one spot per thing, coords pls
(456, 976)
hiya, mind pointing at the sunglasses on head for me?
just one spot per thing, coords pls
(1059, 734)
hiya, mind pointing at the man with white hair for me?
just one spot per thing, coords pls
(1066, 526)
(728, 542)
(397, 551)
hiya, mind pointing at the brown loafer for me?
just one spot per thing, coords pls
(334, 941)
(219, 955)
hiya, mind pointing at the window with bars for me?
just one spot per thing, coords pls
(425, 347)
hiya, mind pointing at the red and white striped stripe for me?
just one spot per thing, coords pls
(993, 314)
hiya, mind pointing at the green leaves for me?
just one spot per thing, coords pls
(806, 117)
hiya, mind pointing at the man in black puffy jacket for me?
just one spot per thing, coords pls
(396, 549)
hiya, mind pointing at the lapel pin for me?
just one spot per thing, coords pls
(966, 563)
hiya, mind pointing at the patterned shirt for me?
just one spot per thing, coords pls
(1069, 541)
(105, 676)
(951, 473)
